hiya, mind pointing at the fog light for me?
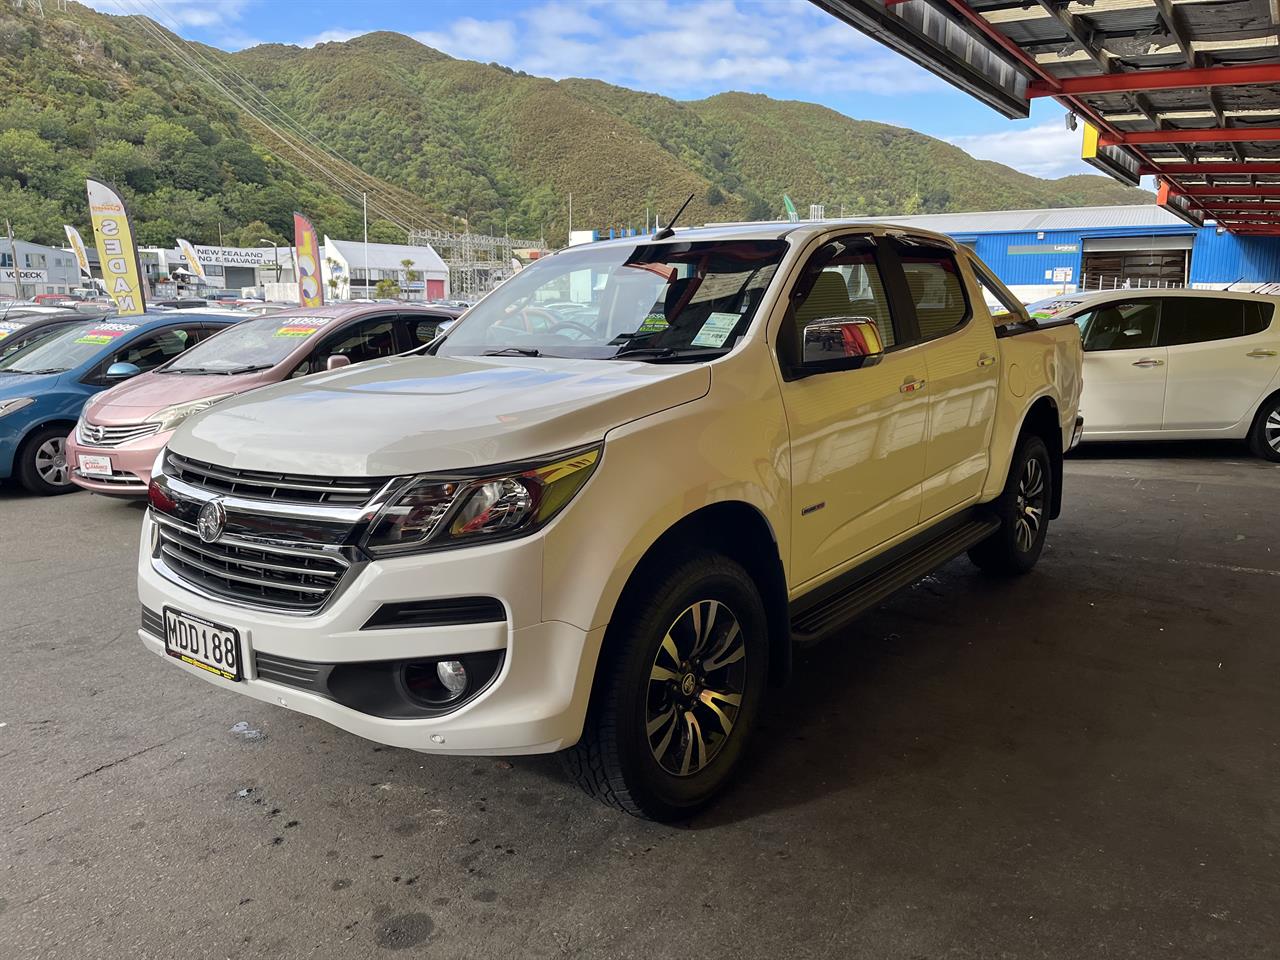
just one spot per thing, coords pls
(453, 676)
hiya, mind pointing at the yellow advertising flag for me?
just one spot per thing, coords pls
(306, 257)
(77, 247)
(189, 254)
(116, 251)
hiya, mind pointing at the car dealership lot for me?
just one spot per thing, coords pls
(1082, 763)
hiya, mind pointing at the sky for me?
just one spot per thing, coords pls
(686, 49)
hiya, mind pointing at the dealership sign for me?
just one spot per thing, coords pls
(244, 256)
(28, 276)
(1017, 249)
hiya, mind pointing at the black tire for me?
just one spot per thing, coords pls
(34, 469)
(1264, 437)
(616, 761)
(1023, 510)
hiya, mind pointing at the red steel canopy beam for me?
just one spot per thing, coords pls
(1212, 167)
(1228, 207)
(1210, 135)
(1228, 190)
(1137, 81)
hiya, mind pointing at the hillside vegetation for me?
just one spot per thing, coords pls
(85, 94)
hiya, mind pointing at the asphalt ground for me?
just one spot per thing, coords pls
(1080, 764)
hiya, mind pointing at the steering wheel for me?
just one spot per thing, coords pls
(525, 313)
(584, 332)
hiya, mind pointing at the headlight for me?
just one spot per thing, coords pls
(432, 511)
(9, 406)
(170, 417)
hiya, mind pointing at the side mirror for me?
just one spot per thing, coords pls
(122, 371)
(840, 343)
(337, 362)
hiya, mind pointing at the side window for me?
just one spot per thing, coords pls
(1205, 319)
(367, 340)
(935, 287)
(841, 280)
(1123, 326)
(1003, 306)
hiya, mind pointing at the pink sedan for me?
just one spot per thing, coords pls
(113, 447)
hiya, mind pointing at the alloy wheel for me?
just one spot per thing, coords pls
(1272, 430)
(695, 688)
(1029, 505)
(51, 462)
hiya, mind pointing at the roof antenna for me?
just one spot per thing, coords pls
(1232, 283)
(667, 231)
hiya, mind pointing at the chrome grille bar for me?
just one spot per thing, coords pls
(262, 485)
(99, 435)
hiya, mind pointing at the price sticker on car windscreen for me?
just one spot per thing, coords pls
(8, 328)
(301, 327)
(106, 332)
(716, 329)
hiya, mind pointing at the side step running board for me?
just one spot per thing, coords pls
(834, 607)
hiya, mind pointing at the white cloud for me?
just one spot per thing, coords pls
(201, 14)
(687, 49)
(1045, 150)
(331, 36)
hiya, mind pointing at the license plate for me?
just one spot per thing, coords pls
(95, 466)
(202, 643)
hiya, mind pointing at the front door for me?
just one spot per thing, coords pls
(857, 436)
(1222, 353)
(1124, 370)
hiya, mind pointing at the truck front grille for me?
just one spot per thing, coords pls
(265, 575)
(281, 487)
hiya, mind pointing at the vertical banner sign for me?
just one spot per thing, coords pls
(306, 257)
(791, 208)
(114, 235)
(77, 247)
(189, 254)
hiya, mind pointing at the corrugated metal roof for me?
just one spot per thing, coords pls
(1052, 218)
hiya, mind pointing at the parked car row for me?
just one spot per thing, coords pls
(89, 401)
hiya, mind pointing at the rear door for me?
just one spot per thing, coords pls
(1124, 369)
(1223, 355)
(961, 375)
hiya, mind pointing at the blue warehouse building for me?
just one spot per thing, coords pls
(1041, 252)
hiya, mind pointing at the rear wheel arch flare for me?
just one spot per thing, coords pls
(1042, 418)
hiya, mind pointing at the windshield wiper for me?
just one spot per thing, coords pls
(670, 353)
(35, 373)
(513, 352)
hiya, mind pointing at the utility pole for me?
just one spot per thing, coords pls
(366, 243)
(571, 217)
(17, 271)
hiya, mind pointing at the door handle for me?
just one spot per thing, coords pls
(1261, 353)
(986, 360)
(911, 385)
(1148, 362)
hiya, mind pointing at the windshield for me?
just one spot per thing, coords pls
(650, 301)
(256, 344)
(67, 347)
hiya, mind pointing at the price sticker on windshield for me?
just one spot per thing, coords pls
(106, 332)
(8, 328)
(302, 328)
(716, 329)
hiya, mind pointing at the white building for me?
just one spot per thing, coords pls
(42, 269)
(227, 268)
(426, 278)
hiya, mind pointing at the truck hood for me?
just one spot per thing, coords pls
(423, 414)
(149, 393)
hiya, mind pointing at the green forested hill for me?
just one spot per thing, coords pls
(84, 94)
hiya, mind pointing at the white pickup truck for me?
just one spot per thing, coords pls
(598, 514)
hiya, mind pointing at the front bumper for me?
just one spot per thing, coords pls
(130, 465)
(536, 703)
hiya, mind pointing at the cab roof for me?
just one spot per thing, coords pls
(796, 231)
